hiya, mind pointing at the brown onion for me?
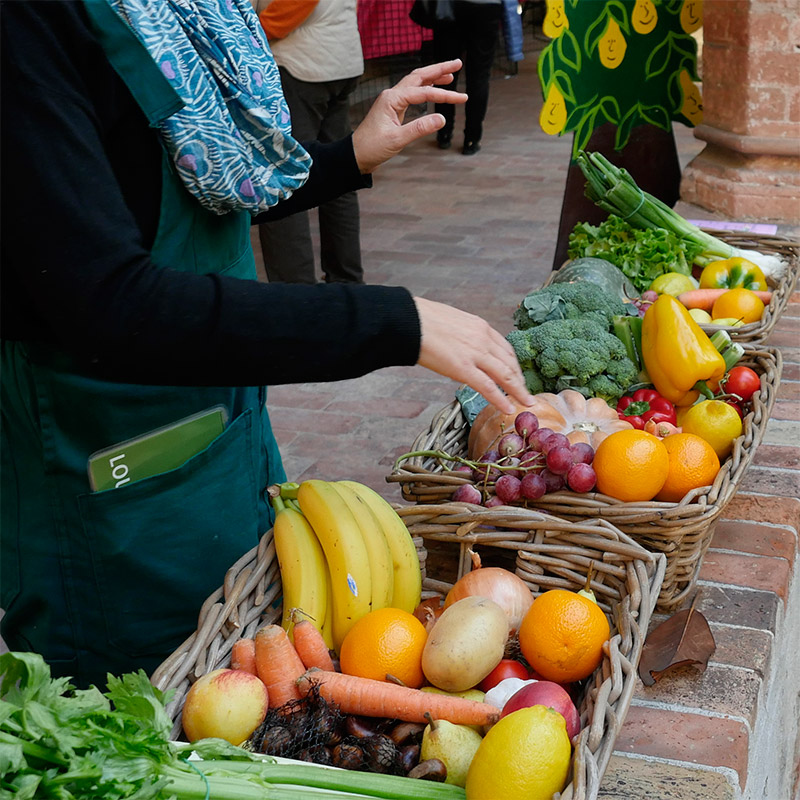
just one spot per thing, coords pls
(502, 586)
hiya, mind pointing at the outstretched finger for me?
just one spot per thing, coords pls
(441, 73)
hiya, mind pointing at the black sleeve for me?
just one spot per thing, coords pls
(73, 253)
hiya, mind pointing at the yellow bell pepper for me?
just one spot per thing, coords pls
(677, 353)
(733, 273)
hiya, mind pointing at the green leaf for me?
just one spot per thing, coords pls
(658, 60)
(545, 67)
(564, 84)
(625, 126)
(594, 33)
(569, 50)
(656, 115)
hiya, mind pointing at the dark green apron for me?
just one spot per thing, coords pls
(112, 581)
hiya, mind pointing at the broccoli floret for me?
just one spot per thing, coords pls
(578, 354)
(582, 300)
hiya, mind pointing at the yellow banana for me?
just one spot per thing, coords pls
(407, 577)
(303, 569)
(327, 625)
(381, 566)
(345, 552)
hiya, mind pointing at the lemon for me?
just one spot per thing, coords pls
(716, 422)
(699, 316)
(525, 756)
(672, 283)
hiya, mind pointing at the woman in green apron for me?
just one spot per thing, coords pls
(140, 141)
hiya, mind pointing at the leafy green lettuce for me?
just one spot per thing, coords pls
(642, 255)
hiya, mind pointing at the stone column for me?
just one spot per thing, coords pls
(750, 166)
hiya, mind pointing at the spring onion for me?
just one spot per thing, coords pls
(614, 190)
(72, 744)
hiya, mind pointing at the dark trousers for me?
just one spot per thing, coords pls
(319, 111)
(471, 36)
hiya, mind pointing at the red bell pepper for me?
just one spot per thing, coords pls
(645, 405)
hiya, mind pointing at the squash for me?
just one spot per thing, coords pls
(568, 412)
(599, 272)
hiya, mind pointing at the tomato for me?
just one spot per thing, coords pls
(507, 668)
(739, 409)
(643, 406)
(741, 381)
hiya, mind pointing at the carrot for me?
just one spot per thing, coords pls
(371, 698)
(311, 646)
(243, 656)
(705, 298)
(277, 664)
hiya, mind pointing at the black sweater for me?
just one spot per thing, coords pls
(81, 184)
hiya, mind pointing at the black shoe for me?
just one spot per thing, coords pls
(444, 140)
(470, 148)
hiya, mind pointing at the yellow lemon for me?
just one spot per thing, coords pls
(716, 422)
(525, 756)
(672, 283)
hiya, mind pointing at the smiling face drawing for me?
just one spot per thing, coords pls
(691, 15)
(555, 20)
(644, 16)
(612, 45)
(692, 107)
(553, 116)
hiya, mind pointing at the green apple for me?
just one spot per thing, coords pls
(468, 694)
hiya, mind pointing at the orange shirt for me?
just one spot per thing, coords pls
(281, 17)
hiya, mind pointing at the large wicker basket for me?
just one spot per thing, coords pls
(682, 531)
(548, 553)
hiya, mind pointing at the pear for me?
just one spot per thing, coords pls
(454, 745)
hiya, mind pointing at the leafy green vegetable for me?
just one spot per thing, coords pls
(568, 301)
(78, 744)
(575, 354)
(642, 254)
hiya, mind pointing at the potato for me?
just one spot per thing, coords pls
(465, 644)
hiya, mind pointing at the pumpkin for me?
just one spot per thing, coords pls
(568, 412)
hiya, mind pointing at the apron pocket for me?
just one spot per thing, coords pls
(161, 546)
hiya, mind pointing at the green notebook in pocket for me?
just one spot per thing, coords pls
(155, 452)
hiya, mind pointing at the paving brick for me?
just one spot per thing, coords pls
(781, 431)
(635, 779)
(786, 409)
(679, 736)
(785, 483)
(789, 390)
(768, 455)
(748, 608)
(776, 510)
(737, 569)
(721, 688)
(759, 539)
(791, 372)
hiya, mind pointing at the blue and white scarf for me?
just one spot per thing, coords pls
(231, 142)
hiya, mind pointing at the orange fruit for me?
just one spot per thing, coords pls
(562, 635)
(716, 422)
(385, 641)
(738, 304)
(692, 463)
(631, 465)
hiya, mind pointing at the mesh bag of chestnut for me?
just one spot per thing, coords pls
(312, 729)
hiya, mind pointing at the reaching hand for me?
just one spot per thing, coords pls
(467, 349)
(382, 133)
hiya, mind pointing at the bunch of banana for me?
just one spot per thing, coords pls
(345, 553)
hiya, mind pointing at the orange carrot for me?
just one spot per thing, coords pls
(311, 646)
(705, 298)
(370, 698)
(243, 656)
(277, 664)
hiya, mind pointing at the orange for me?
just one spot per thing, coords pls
(716, 422)
(562, 635)
(631, 465)
(738, 304)
(692, 463)
(385, 641)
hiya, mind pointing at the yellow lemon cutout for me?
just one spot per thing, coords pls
(644, 16)
(555, 20)
(612, 45)
(553, 115)
(691, 15)
(692, 107)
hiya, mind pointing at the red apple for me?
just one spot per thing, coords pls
(545, 693)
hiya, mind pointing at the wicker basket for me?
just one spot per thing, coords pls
(548, 553)
(682, 531)
(781, 290)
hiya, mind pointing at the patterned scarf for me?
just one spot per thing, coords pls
(231, 142)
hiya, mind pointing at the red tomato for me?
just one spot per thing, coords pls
(741, 381)
(739, 409)
(507, 668)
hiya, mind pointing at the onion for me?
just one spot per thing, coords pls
(502, 586)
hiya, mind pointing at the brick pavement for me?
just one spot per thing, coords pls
(478, 232)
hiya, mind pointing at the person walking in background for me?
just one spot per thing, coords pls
(318, 51)
(467, 29)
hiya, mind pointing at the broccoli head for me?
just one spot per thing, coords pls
(578, 354)
(582, 300)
